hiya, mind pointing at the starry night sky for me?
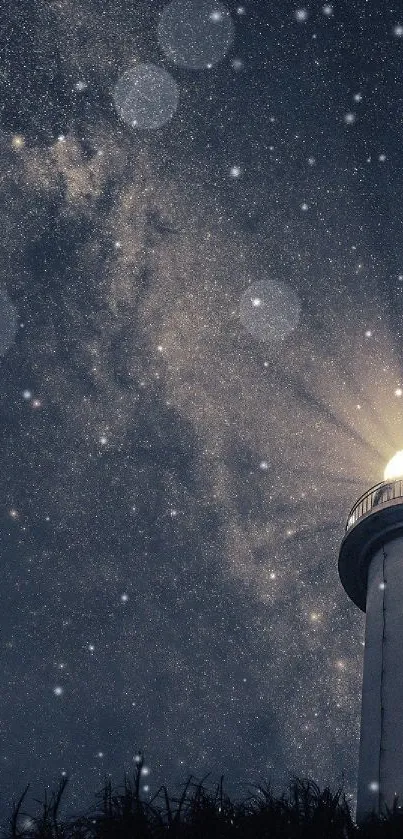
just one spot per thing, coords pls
(201, 370)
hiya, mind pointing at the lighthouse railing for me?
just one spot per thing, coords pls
(378, 494)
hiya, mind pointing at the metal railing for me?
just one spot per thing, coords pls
(385, 491)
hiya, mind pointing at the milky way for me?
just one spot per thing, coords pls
(201, 371)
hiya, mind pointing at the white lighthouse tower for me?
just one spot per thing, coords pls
(371, 571)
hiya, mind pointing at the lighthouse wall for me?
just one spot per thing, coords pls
(380, 768)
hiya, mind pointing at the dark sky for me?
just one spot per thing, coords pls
(201, 368)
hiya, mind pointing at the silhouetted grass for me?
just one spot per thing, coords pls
(121, 813)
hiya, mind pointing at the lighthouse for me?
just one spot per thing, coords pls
(371, 571)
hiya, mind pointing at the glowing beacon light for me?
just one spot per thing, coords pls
(371, 571)
(394, 469)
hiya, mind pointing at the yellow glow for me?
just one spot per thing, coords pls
(17, 141)
(394, 469)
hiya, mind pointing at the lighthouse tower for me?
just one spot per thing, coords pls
(371, 571)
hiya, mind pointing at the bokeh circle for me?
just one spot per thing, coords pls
(196, 34)
(270, 310)
(146, 96)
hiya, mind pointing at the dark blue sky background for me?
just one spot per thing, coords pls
(201, 370)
